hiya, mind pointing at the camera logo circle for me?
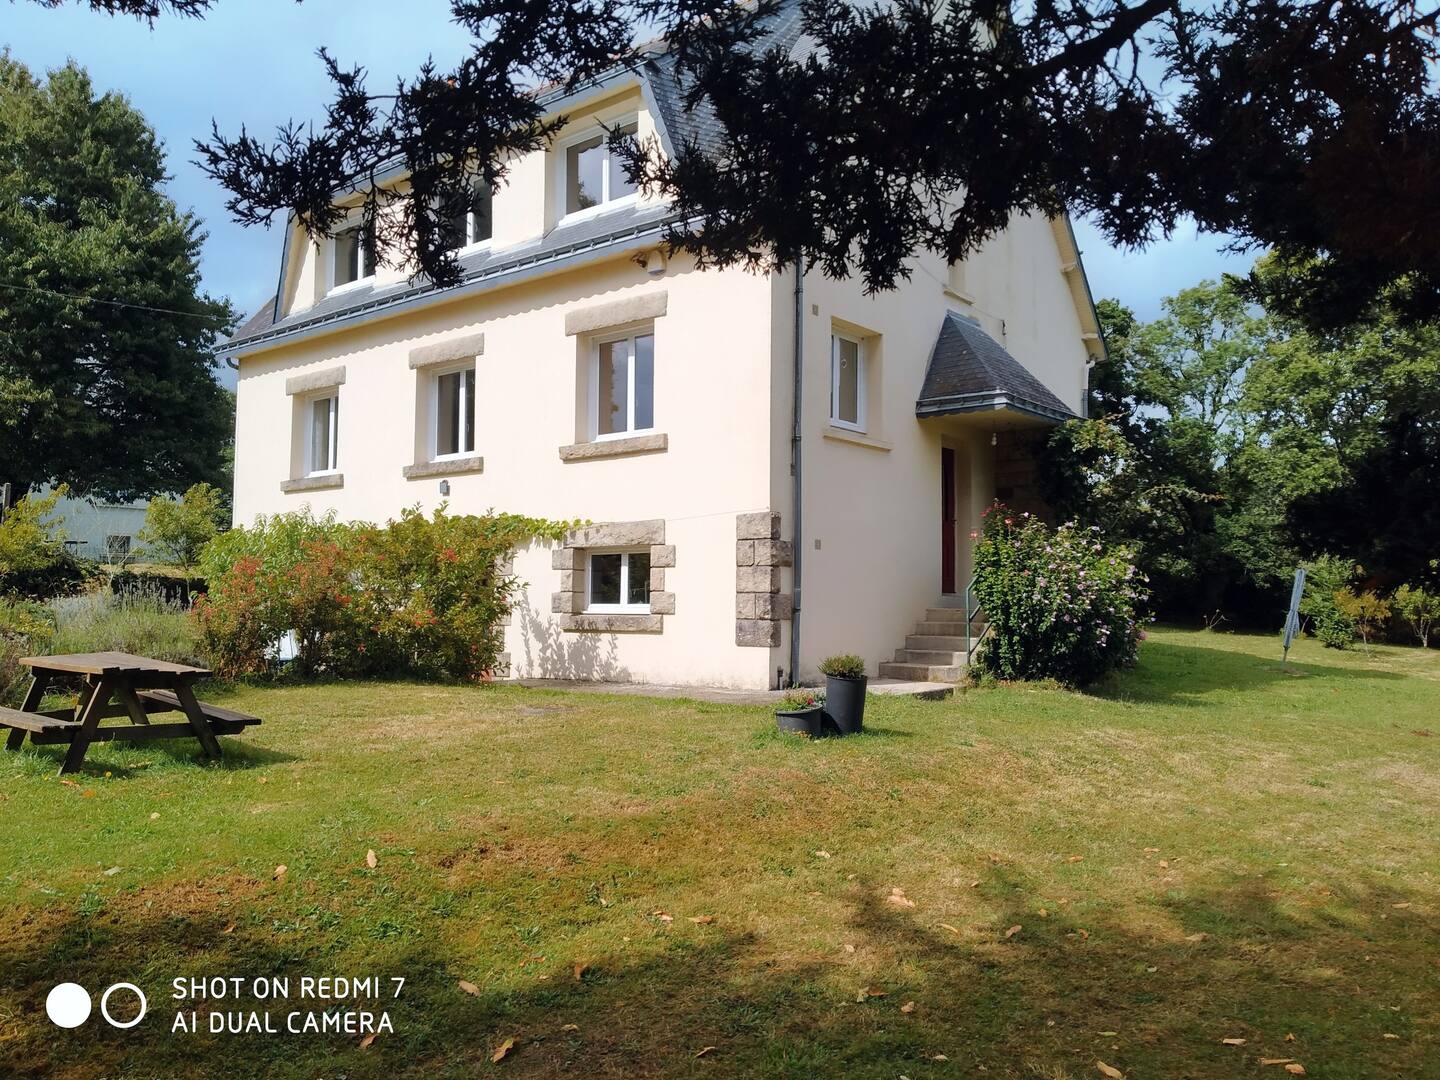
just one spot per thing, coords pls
(105, 1001)
(68, 1005)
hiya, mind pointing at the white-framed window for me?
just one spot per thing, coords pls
(452, 413)
(617, 582)
(622, 385)
(469, 222)
(594, 176)
(847, 382)
(322, 421)
(352, 256)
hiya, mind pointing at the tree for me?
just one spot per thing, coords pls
(1419, 608)
(856, 135)
(105, 337)
(1367, 609)
(181, 527)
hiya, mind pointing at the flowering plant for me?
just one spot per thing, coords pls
(802, 697)
(1060, 604)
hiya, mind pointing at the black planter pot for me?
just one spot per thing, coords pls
(845, 703)
(801, 721)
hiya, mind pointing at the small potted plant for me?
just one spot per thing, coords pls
(802, 712)
(844, 692)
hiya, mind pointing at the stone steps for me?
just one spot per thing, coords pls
(936, 642)
(935, 657)
(941, 673)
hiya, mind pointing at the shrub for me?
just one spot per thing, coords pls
(1324, 577)
(422, 597)
(1420, 609)
(33, 561)
(135, 622)
(802, 698)
(844, 666)
(1060, 605)
(174, 588)
(25, 630)
(180, 528)
(1367, 611)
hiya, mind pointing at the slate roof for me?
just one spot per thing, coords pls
(564, 243)
(970, 371)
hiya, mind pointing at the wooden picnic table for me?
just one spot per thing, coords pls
(116, 684)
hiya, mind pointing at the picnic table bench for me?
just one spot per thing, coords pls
(115, 684)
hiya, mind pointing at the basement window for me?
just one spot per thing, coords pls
(618, 582)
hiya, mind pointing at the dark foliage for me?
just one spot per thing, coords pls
(168, 588)
(1305, 126)
(65, 575)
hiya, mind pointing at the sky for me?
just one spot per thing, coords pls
(253, 63)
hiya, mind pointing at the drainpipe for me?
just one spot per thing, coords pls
(795, 511)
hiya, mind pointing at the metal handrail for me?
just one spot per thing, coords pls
(972, 609)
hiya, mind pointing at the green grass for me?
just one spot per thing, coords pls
(1208, 848)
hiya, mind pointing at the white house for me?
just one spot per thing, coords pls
(578, 371)
(98, 530)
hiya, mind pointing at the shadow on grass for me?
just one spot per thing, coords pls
(1172, 674)
(99, 761)
(1240, 961)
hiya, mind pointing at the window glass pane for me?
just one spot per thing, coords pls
(644, 382)
(619, 186)
(447, 414)
(347, 256)
(605, 579)
(612, 388)
(848, 381)
(480, 209)
(584, 171)
(320, 435)
(638, 590)
(469, 439)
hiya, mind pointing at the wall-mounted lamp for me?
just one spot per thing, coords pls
(655, 263)
(445, 488)
(994, 439)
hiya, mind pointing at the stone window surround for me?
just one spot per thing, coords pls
(569, 603)
(299, 386)
(423, 360)
(760, 607)
(598, 318)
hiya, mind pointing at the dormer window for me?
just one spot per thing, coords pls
(354, 256)
(468, 222)
(594, 176)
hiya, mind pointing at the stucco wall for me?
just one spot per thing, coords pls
(712, 385)
(873, 505)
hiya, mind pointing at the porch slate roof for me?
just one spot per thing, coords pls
(970, 371)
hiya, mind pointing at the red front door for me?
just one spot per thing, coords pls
(947, 520)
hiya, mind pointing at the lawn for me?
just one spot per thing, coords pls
(1209, 848)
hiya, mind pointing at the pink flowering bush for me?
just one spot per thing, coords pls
(1060, 604)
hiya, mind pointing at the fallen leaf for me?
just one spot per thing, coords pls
(229, 928)
(279, 871)
(1164, 864)
(947, 926)
(263, 780)
(1295, 1069)
(1233, 1042)
(112, 871)
(822, 854)
(908, 1008)
(370, 860)
(1152, 851)
(155, 816)
(1013, 931)
(578, 969)
(868, 992)
(849, 947)
(69, 783)
(1290, 1037)
(503, 1049)
(663, 916)
(1108, 1034)
(1401, 907)
(1276, 1061)
(367, 1040)
(899, 899)
(703, 1051)
(1109, 1070)
(469, 987)
(87, 794)
(938, 1057)
(1196, 937)
(1075, 858)
(702, 920)
(1389, 1035)
(1084, 934)
(569, 1027)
